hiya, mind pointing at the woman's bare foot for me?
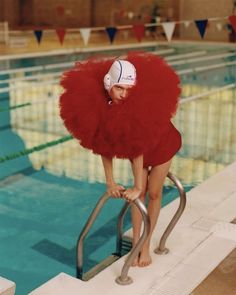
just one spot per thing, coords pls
(144, 258)
(135, 262)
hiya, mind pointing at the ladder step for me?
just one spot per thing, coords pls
(99, 267)
(126, 247)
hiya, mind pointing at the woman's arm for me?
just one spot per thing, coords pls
(137, 167)
(113, 189)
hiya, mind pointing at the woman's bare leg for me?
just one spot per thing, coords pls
(136, 215)
(155, 185)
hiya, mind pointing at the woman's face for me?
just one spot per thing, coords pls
(118, 93)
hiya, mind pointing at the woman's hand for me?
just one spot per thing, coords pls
(131, 194)
(115, 190)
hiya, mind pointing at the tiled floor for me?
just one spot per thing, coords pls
(222, 280)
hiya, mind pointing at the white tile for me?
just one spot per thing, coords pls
(191, 274)
(7, 287)
(210, 253)
(184, 240)
(194, 275)
(173, 286)
(204, 224)
(165, 263)
(151, 289)
(61, 284)
(225, 230)
(225, 211)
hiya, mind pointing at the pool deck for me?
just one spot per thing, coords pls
(203, 237)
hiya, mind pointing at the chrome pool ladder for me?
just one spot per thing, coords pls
(124, 279)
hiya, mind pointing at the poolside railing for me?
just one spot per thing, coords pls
(124, 279)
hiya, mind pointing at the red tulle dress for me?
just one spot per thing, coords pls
(141, 124)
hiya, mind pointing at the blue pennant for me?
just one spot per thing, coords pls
(201, 25)
(38, 35)
(111, 31)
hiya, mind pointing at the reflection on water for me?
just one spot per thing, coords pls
(207, 126)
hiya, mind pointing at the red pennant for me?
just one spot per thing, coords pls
(139, 31)
(232, 20)
(147, 18)
(122, 13)
(61, 35)
(60, 10)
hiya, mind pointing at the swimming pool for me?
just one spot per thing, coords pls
(46, 196)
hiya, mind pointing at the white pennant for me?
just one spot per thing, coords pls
(130, 15)
(186, 23)
(158, 19)
(85, 33)
(219, 26)
(168, 29)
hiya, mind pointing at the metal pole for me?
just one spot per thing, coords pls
(161, 249)
(120, 227)
(84, 232)
(123, 279)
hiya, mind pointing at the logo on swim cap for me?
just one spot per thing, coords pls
(120, 72)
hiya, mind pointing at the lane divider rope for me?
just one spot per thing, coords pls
(35, 149)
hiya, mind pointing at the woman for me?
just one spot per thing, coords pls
(128, 115)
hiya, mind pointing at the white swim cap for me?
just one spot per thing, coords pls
(120, 72)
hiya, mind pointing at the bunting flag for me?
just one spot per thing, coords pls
(158, 19)
(85, 34)
(130, 15)
(232, 20)
(201, 26)
(111, 31)
(219, 26)
(186, 24)
(61, 35)
(60, 10)
(168, 28)
(139, 31)
(38, 34)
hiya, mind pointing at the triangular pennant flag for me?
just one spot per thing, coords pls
(111, 31)
(60, 10)
(38, 34)
(85, 33)
(186, 24)
(232, 20)
(168, 29)
(158, 19)
(139, 31)
(219, 26)
(130, 15)
(201, 25)
(61, 35)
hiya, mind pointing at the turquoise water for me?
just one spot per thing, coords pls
(47, 196)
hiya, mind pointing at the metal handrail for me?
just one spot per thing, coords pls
(119, 228)
(123, 278)
(85, 231)
(161, 249)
